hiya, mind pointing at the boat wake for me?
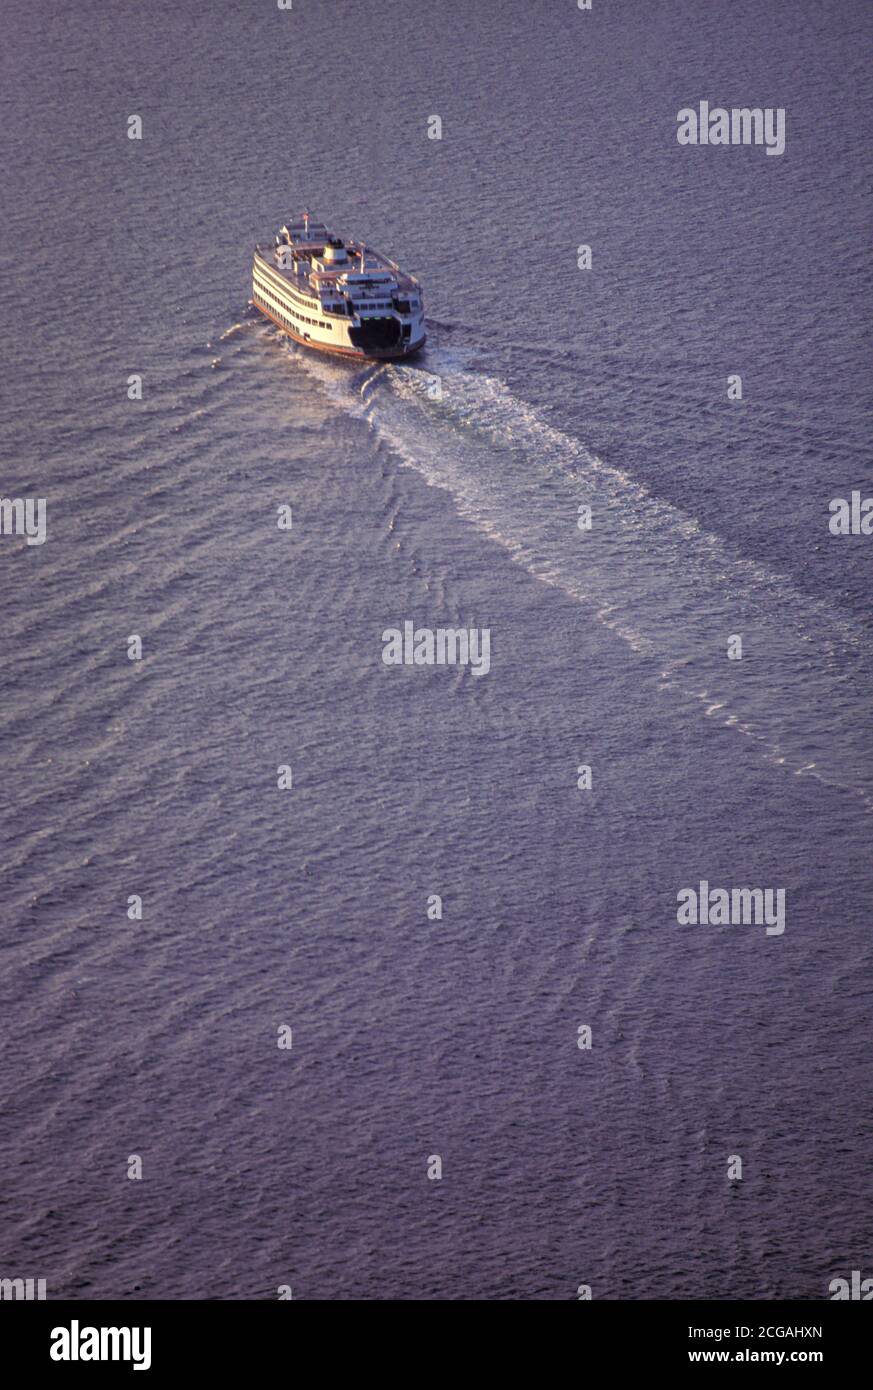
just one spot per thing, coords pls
(645, 570)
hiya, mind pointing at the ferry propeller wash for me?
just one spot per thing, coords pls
(337, 296)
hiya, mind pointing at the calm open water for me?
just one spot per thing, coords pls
(308, 908)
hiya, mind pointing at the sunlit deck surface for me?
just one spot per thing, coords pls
(314, 281)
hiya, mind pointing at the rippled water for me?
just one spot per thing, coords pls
(559, 389)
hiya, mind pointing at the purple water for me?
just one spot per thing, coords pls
(413, 1037)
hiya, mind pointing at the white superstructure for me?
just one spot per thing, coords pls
(337, 296)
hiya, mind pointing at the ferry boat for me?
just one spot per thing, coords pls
(337, 296)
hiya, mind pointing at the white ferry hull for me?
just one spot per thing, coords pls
(370, 354)
(343, 299)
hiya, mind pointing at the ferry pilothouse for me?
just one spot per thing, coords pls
(337, 296)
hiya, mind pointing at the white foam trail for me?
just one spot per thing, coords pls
(647, 571)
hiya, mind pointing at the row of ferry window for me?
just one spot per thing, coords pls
(278, 306)
(339, 310)
(403, 307)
